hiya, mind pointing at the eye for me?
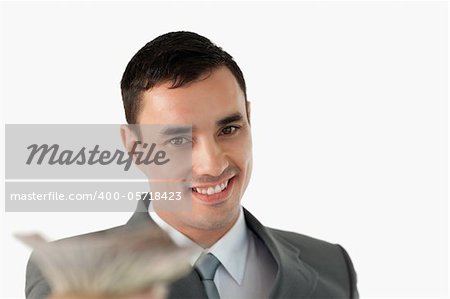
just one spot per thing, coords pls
(229, 130)
(177, 141)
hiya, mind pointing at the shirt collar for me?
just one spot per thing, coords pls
(231, 249)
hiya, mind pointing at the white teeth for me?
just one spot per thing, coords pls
(212, 190)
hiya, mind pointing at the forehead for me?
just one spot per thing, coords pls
(201, 102)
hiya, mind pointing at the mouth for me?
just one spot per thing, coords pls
(214, 194)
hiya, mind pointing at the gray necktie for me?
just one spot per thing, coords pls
(206, 267)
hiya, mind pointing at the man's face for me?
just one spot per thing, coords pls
(221, 145)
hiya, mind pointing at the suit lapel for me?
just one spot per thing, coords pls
(189, 286)
(294, 279)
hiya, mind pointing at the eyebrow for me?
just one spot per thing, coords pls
(229, 119)
(176, 130)
(172, 130)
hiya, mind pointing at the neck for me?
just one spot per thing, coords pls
(204, 237)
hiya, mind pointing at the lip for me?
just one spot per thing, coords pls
(216, 198)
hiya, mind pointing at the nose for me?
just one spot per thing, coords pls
(208, 158)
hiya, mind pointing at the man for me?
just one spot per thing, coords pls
(182, 78)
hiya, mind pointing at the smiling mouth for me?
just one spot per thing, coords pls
(210, 190)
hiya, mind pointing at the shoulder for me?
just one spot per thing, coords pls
(305, 243)
(92, 234)
(330, 261)
(311, 249)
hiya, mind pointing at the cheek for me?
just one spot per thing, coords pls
(245, 167)
(241, 155)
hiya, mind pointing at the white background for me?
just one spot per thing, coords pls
(349, 118)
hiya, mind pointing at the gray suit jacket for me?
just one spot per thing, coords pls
(307, 267)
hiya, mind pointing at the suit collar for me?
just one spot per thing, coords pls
(141, 214)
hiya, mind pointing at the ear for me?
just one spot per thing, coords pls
(128, 137)
(248, 109)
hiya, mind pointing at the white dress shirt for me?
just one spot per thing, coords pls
(247, 268)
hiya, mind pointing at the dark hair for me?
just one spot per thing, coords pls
(178, 57)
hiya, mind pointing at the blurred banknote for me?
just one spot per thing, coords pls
(124, 262)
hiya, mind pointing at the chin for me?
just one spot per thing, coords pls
(216, 219)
